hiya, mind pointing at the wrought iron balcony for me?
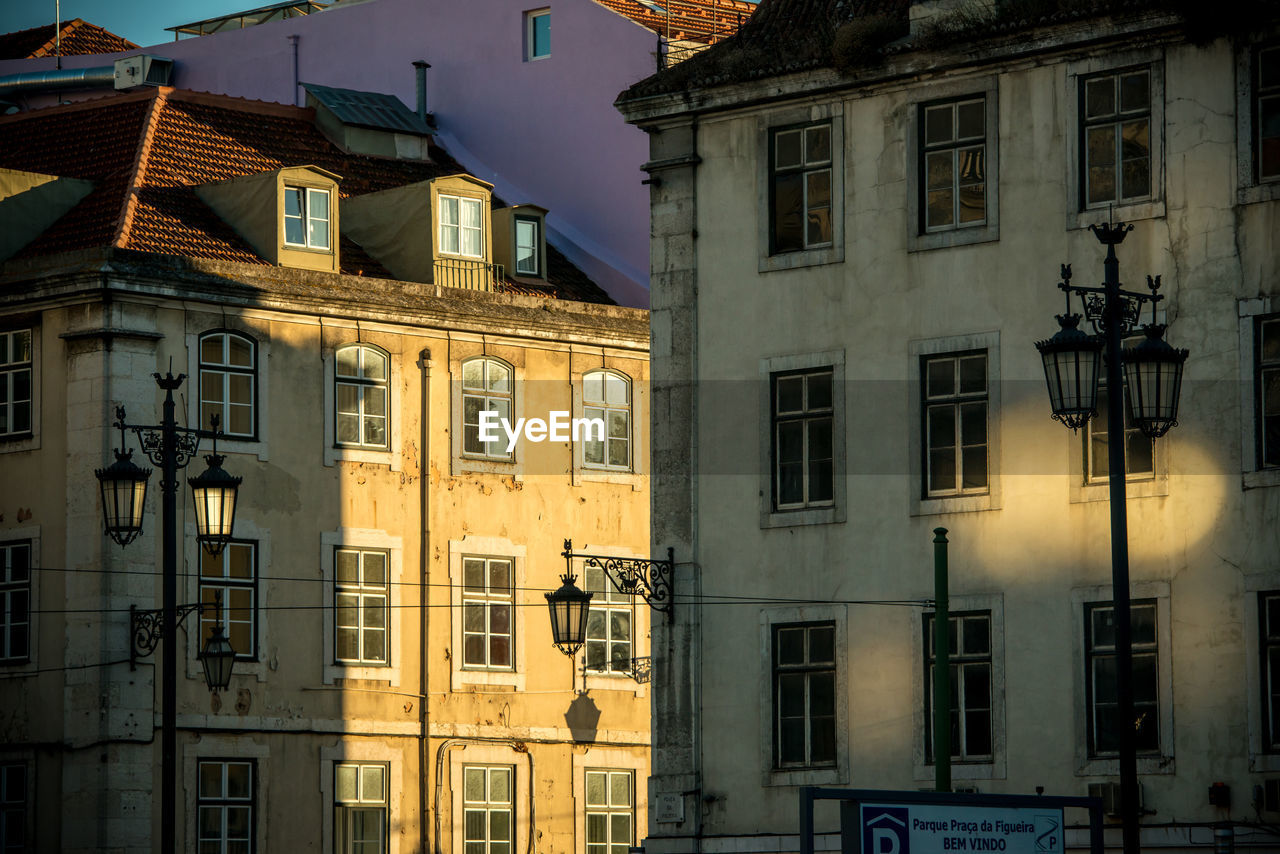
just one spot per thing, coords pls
(470, 275)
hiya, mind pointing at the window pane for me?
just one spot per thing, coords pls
(937, 124)
(939, 170)
(1099, 97)
(817, 143)
(787, 149)
(940, 378)
(210, 779)
(542, 35)
(1135, 92)
(971, 120)
(822, 645)
(790, 394)
(819, 390)
(788, 213)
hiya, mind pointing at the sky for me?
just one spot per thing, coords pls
(142, 22)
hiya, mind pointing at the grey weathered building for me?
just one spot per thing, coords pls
(858, 215)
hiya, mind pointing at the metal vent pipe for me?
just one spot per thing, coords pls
(420, 67)
(67, 78)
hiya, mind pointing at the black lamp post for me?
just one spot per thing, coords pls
(1153, 373)
(569, 609)
(124, 487)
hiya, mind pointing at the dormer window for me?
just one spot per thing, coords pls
(306, 217)
(461, 229)
(528, 247)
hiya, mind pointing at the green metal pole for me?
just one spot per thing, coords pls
(942, 665)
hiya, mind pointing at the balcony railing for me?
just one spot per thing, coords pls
(470, 275)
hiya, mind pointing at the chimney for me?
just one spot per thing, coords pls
(420, 67)
(930, 11)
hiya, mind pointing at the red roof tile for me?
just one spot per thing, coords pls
(147, 151)
(704, 21)
(78, 37)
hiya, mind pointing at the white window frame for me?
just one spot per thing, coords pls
(363, 752)
(1085, 765)
(223, 803)
(956, 401)
(27, 440)
(536, 222)
(459, 227)
(490, 547)
(605, 409)
(226, 748)
(1078, 213)
(333, 453)
(918, 238)
(604, 758)
(306, 218)
(627, 366)
(606, 680)
(1250, 189)
(372, 540)
(221, 587)
(362, 382)
(481, 754)
(488, 396)
(7, 589)
(226, 371)
(995, 768)
(1248, 311)
(28, 534)
(11, 368)
(462, 462)
(767, 125)
(199, 324)
(1260, 759)
(487, 600)
(825, 513)
(362, 801)
(839, 773)
(246, 530)
(530, 19)
(917, 350)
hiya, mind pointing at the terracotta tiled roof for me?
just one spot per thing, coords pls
(77, 37)
(146, 152)
(704, 21)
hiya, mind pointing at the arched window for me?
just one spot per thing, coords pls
(606, 399)
(229, 382)
(362, 397)
(487, 386)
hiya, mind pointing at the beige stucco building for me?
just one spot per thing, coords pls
(858, 212)
(397, 690)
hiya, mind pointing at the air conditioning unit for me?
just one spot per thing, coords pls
(1110, 795)
(143, 70)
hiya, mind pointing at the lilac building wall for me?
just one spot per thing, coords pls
(544, 132)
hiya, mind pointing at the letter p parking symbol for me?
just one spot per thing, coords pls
(885, 831)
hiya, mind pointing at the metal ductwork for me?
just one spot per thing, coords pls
(140, 70)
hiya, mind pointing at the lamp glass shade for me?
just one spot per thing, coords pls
(1072, 363)
(214, 492)
(569, 607)
(1153, 374)
(217, 658)
(124, 495)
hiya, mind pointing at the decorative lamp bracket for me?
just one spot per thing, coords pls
(649, 579)
(146, 628)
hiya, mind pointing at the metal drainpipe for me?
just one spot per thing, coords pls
(67, 78)
(424, 470)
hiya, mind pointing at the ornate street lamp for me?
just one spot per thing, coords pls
(1071, 363)
(569, 608)
(1153, 374)
(217, 657)
(214, 492)
(123, 491)
(1152, 371)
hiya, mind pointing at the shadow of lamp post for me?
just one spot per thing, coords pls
(124, 491)
(1151, 372)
